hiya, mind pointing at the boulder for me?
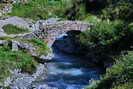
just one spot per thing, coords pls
(47, 58)
(3, 42)
(15, 45)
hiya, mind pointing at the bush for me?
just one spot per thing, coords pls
(106, 9)
(91, 19)
(119, 9)
(119, 76)
(42, 48)
(106, 35)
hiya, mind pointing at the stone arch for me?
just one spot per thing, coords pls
(67, 42)
(51, 38)
(50, 32)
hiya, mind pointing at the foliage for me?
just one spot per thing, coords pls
(105, 35)
(11, 29)
(120, 9)
(92, 19)
(41, 45)
(119, 76)
(105, 9)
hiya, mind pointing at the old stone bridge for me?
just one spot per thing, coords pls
(51, 31)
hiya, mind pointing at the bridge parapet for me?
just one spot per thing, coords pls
(50, 32)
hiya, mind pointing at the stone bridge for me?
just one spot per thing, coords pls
(51, 31)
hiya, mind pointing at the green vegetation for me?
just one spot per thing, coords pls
(92, 19)
(40, 45)
(21, 59)
(11, 29)
(105, 9)
(41, 9)
(111, 39)
(42, 48)
(106, 34)
(119, 9)
(111, 36)
(12, 60)
(119, 76)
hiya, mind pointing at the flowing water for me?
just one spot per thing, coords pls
(67, 72)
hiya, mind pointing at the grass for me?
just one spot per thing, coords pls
(20, 59)
(40, 9)
(92, 19)
(40, 45)
(13, 60)
(11, 29)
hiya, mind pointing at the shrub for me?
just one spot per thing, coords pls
(11, 29)
(119, 9)
(105, 35)
(119, 76)
(91, 19)
(42, 48)
(106, 9)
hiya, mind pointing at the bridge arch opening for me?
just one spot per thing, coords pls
(66, 42)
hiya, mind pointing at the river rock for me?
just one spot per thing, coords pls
(36, 26)
(27, 46)
(7, 9)
(15, 46)
(22, 80)
(43, 87)
(3, 42)
(46, 58)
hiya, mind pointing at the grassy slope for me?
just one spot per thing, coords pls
(12, 60)
(19, 59)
